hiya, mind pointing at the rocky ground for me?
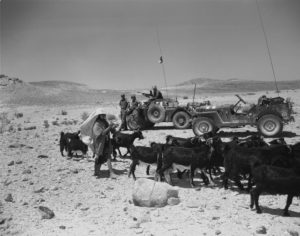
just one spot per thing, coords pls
(34, 175)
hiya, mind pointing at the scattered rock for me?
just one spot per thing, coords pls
(261, 230)
(84, 208)
(78, 205)
(46, 212)
(40, 190)
(42, 156)
(193, 204)
(9, 198)
(139, 231)
(172, 201)
(218, 232)
(2, 221)
(62, 227)
(16, 145)
(28, 171)
(29, 127)
(7, 182)
(125, 208)
(150, 193)
(215, 218)
(54, 188)
(134, 225)
(11, 163)
(25, 179)
(75, 171)
(293, 232)
(19, 162)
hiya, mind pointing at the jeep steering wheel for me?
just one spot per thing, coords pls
(242, 100)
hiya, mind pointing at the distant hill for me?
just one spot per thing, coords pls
(208, 86)
(17, 92)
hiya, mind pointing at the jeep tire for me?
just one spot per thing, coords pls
(181, 120)
(203, 125)
(269, 125)
(156, 113)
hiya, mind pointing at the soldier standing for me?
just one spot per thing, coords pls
(133, 105)
(124, 106)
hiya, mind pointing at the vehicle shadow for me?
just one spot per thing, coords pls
(225, 134)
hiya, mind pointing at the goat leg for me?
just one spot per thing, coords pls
(288, 203)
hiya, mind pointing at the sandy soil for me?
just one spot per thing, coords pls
(85, 205)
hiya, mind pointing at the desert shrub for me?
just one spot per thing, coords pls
(84, 115)
(4, 121)
(64, 113)
(18, 115)
(46, 124)
(55, 123)
(185, 97)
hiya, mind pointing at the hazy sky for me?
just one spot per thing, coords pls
(113, 43)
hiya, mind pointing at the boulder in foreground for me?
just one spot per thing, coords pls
(149, 193)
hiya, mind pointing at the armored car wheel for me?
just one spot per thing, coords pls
(202, 125)
(181, 120)
(269, 125)
(156, 113)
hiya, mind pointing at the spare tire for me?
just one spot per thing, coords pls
(156, 113)
(181, 120)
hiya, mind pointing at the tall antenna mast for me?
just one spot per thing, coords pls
(161, 61)
(267, 43)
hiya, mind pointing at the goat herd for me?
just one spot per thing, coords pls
(273, 168)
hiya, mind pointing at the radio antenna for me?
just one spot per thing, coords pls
(161, 60)
(268, 48)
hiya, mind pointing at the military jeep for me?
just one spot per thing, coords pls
(268, 115)
(155, 111)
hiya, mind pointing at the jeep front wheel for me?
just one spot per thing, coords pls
(270, 125)
(181, 120)
(202, 125)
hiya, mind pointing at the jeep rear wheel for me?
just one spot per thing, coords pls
(202, 125)
(270, 125)
(181, 120)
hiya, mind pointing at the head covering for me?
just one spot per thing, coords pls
(133, 96)
(122, 95)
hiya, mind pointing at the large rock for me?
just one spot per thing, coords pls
(149, 193)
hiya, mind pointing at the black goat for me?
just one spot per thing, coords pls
(65, 138)
(186, 158)
(275, 180)
(145, 155)
(124, 140)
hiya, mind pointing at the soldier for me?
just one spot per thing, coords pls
(156, 94)
(124, 106)
(102, 143)
(133, 105)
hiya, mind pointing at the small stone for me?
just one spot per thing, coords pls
(134, 225)
(31, 183)
(25, 179)
(7, 182)
(78, 205)
(139, 231)
(125, 208)
(215, 218)
(9, 198)
(26, 171)
(46, 212)
(84, 208)
(2, 221)
(217, 232)
(172, 201)
(25, 203)
(193, 204)
(11, 163)
(293, 232)
(42, 156)
(62, 227)
(40, 190)
(261, 230)
(75, 171)
(19, 162)
(54, 188)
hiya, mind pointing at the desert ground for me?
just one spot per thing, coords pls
(33, 174)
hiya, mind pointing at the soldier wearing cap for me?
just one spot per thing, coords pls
(102, 128)
(134, 104)
(124, 104)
